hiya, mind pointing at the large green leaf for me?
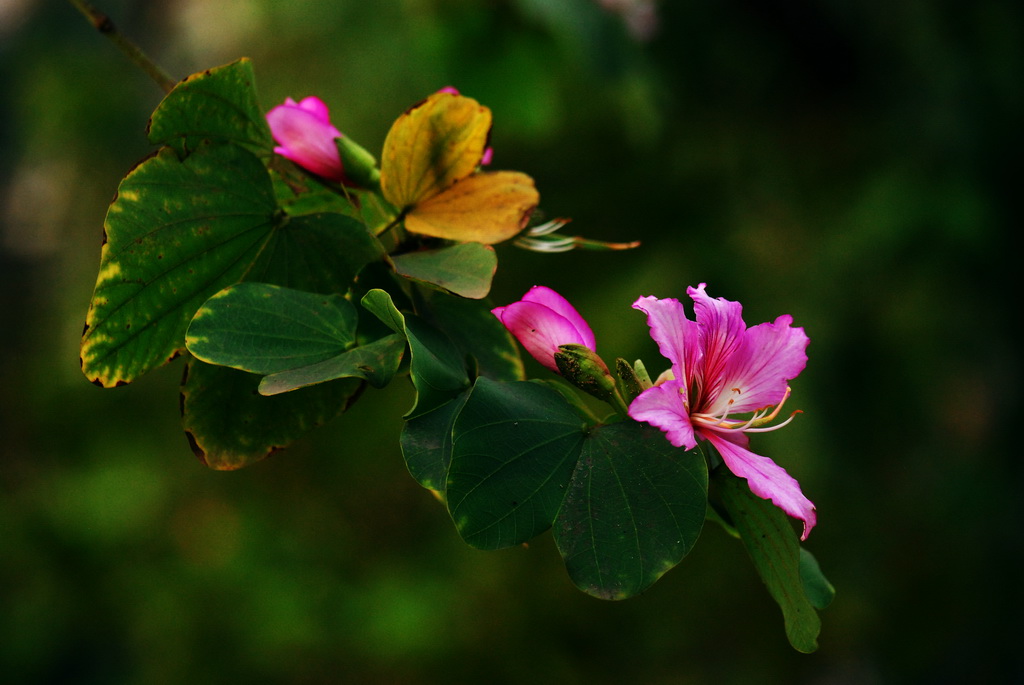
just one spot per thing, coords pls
(773, 546)
(427, 443)
(375, 362)
(465, 269)
(634, 508)
(230, 425)
(819, 590)
(321, 253)
(480, 334)
(437, 369)
(177, 232)
(515, 446)
(216, 104)
(264, 329)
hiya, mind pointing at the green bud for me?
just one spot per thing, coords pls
(360, 166)
(631, 383)
(583, 368)
(642, 375)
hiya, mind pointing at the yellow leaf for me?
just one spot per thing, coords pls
(432, 146)
(486, 207)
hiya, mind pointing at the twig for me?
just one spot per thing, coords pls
(102, 23)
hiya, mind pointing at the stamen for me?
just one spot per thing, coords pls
(755, 424)
(548, 227)
(775, 413)
(766, 429)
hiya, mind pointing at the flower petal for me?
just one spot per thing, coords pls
(306, 138)
(539, 329)
(664, 407)
(677, 336)
(558, 304)
(317, 108)
(772, 354)
(722, 333)
(766, 479)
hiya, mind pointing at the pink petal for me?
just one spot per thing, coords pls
(317, 108)
(722, 332)
(664, 407)
(539, 329)
(744, 369)
(449, 89)
(558, 304)
(772, 354)
(766, 479)
(677, 336)
(306, 139)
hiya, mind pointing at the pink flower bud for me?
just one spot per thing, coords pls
(305, 135)
(542, 321)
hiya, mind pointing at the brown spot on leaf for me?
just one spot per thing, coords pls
(196, 449)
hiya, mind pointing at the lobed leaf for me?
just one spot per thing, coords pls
(481, 335)
(633, 509)
(465, 269)
(229, 425)
(514, 448)
(427, 443)
(265, 329)
(177, 232)
(437, 369)
(773, 546)
(819, 590)
(487, 207)
(432, 145)
(216, 104)
(375, 362)
(321, 253)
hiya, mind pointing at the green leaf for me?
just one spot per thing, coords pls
(819, 591)
(266, 329)
(427, 444)
(634, 508)
(322, 253)
(773, 546)
(216, 104)
(230, 425)
(465, 269)
(177, 232)
(515, 446)
(379, 303)
(376, 362)
(437, 369)
(480, 334)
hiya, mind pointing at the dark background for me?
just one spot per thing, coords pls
(846, 163)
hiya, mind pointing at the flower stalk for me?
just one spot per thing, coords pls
(102, 23)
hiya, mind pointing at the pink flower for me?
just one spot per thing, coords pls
(305, 135)
(542, 321)
(721, 369)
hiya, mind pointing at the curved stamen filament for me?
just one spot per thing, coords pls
(755, 423)
(765, 429)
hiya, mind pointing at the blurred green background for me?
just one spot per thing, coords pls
(847, 163)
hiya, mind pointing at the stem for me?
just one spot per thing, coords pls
(394, 222)
(104, 25)
(619, 404)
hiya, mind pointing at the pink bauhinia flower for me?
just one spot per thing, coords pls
(305, 135)
(541, 321)
(721, 370)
